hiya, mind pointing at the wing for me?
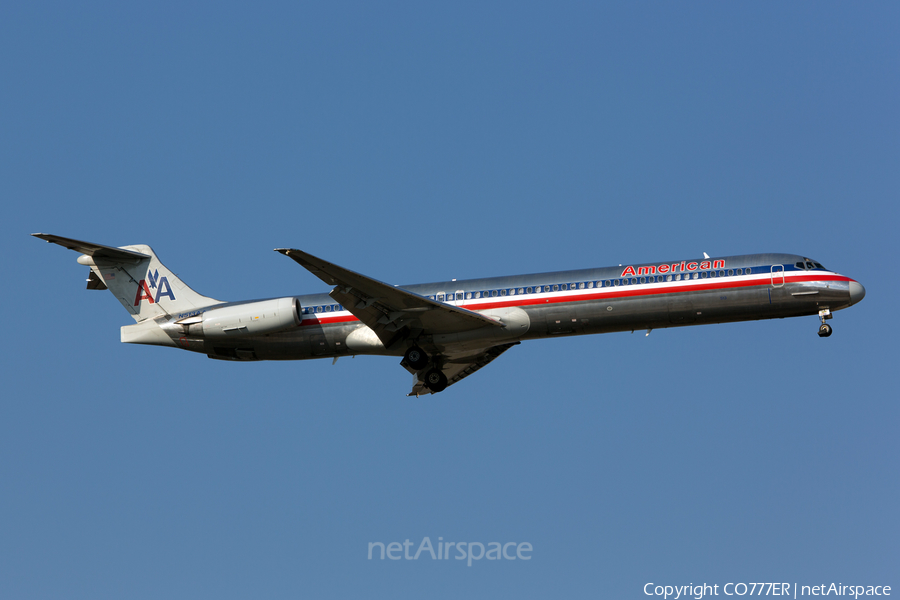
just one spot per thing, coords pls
(458, 368)
(391, 312)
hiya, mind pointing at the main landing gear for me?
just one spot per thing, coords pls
(825, 329)
(435, 380)
(416, 358)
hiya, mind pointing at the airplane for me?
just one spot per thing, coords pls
(445, 331)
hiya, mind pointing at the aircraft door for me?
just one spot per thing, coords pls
(777, 276)
(452, 298)
(561, 321)
(318, 344)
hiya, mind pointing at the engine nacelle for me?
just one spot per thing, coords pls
(250, 318)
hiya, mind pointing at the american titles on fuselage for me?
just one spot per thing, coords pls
(674, 268)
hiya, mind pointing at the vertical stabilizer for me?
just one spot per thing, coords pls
(134, 275)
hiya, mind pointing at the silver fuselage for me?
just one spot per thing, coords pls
(624, 298)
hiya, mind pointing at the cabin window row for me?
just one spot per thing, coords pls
(556, 287)
(581, 285)
(309, 310)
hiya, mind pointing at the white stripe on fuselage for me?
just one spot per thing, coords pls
(597, 293)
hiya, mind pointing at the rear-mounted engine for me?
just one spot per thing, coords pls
(244, 319)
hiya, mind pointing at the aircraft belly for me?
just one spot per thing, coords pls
(651, 312)
(298, 344)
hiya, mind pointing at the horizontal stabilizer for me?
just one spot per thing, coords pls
(93, 250)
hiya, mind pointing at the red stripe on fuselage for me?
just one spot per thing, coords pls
(624, 291)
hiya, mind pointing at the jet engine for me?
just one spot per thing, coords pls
(245, 319)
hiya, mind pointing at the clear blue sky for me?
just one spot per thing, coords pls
(415, 143)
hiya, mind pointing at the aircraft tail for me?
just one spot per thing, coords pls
(144, 286)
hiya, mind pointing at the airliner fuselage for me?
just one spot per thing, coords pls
(446, 330)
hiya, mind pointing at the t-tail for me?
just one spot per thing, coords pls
(134, 275)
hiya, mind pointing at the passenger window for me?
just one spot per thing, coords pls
(730, 272)
(502, 292)
(493, 293)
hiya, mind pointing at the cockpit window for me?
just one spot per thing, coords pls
(810, 265)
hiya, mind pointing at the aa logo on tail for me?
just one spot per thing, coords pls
(160, 284)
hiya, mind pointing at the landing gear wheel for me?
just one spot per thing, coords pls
(435, 380)
(416, 358)
(824, 330)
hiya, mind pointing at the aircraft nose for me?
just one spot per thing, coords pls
(857, 292)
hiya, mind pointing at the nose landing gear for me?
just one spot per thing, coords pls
(825, 329)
